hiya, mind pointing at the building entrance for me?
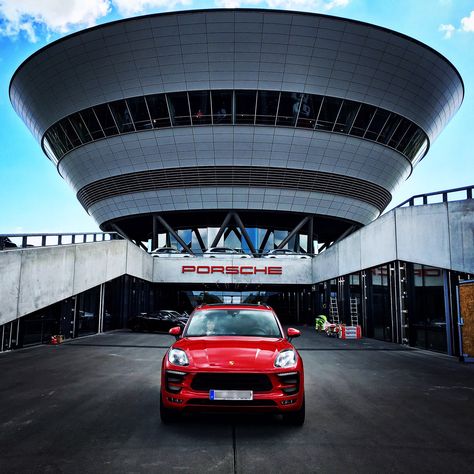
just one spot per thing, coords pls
(293, 304)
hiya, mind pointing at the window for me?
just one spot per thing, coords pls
(389, 128)
(106, 120)
(346, 116)
(222, 107)
(122, 116)
(200, 107)
(90, 121)
(329, 112)
(59, 139)
(80, 128)
(139, 111)
(70, 132)
(363, 119)
(179, 108)
(309, 109)
(267, 103)
(288, 108)
(245, 106)
(158, 110)
(376, 125)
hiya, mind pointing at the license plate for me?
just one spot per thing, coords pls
(230, 395)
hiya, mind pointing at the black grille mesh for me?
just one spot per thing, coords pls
(220, 381)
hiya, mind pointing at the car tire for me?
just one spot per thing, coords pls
(167, 415)
(295, 418)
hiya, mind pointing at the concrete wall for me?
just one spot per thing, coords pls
(33, 278)
(439, 235)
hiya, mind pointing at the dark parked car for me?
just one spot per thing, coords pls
(161, 321)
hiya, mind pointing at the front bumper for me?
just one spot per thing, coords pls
(280, 391)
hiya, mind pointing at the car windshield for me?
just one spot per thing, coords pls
(233, 322)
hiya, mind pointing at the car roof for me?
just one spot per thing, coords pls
(261, 307)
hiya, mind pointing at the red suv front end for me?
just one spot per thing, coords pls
(233, 358)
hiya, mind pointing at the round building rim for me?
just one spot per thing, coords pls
(248, 10)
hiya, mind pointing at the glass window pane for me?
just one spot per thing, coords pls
(414, 144)
(139, 111)
(222, 107)
(346, 116)
(106, 119)
(122, 116)
(70, 132)
(310, 105)
(61, 137)
(55, 143)
(200, 107)
(388, 129)
(267, 103)
(92, 124)
(400, 133)
(80, 128)
(245, 106)
(158, 110)
(288, 108)
(328, 114)
(420, 149)
(377, 123)
(179, 108)
(364, 117)
(50, 151)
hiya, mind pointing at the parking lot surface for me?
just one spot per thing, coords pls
(91, 406)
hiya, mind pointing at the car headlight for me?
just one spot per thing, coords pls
(286, 359)
(178, 357)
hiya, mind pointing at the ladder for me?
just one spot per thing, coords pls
(354, 312)
(333, 310)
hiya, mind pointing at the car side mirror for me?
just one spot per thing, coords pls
(292, 332)
(176, 331)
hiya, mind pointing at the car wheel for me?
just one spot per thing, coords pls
(295, 418)
(167, 415)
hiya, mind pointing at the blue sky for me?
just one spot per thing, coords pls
(34, 198)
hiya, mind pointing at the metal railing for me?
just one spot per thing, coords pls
(17, 241)
(456, 194)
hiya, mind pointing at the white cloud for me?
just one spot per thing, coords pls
(467, 23)
(448, 30)
(58, 16)
(228, 3)
(134, 7)
(306, 5)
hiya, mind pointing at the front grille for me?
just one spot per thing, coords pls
(218, 381)
(233, 403)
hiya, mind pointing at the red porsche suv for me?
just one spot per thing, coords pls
(233, 358)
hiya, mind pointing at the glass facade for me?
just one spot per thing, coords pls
(399, 302)
(240, 107)
(292, 303)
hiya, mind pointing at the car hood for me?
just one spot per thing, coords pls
(232, 353)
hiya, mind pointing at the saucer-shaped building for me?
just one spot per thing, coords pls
(265, 128)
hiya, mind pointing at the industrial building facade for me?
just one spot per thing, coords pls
(252, 129)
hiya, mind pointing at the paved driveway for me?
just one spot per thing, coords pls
(91, 406)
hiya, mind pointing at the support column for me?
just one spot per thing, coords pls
(245, 234)
(292, 233)
(221, 230)
(310, 245)
(154, 235)
(174, 234)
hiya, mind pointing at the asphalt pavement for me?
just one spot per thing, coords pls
(91, 406)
